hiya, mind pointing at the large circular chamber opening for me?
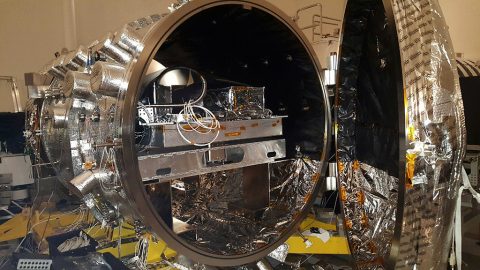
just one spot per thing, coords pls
(225, 130)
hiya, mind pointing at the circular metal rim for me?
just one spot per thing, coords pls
(135, 188)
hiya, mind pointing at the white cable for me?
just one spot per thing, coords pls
(74, 243)
(40, 222)
(91, 228)
(117, 172)
(457, 236)
(188, 110)
(175, 265)
(468, 185)
(141, 253)
(196, 125)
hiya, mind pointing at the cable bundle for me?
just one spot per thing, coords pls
(197, 124)
(141, 253)
(74, 243)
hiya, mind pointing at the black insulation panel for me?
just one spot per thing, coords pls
(368, 110)
(471, 101)
(12, 126)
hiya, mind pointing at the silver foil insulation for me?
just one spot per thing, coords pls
(373, 162)
(435, 129)
(114, 51)
(369, 200)
(77, 84)
(237, 102)
(224, 224)
(368, 142)
(107, 78)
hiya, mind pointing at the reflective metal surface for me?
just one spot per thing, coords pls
(188, 163)
(401, 134)
(212, 203)
(230, 131)
(435, 129)
(370, 117)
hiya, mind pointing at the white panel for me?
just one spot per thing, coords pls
(19, 166)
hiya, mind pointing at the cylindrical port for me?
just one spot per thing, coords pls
(87, 181)
(106, 78)
(129, 40)
(76, 59)
(113, 51)
(58, 114)
(78, 85)
(264, 264)
(56, 68)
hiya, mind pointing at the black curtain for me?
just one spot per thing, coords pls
(11, 131)
(471, 101)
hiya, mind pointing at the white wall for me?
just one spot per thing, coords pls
(31, 31)
(95, 18)
(463, 19)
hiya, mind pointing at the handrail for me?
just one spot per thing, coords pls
(318, 20)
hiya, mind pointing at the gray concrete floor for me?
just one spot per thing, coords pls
(471, 253)
(471, 237)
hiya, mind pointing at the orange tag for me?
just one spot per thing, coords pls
(356, 165)
(88, 165)
(341, 167)
(361, 197)
(348, 224)
(364, 220)
(410, 169)
(233, 134)
(343, 193)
